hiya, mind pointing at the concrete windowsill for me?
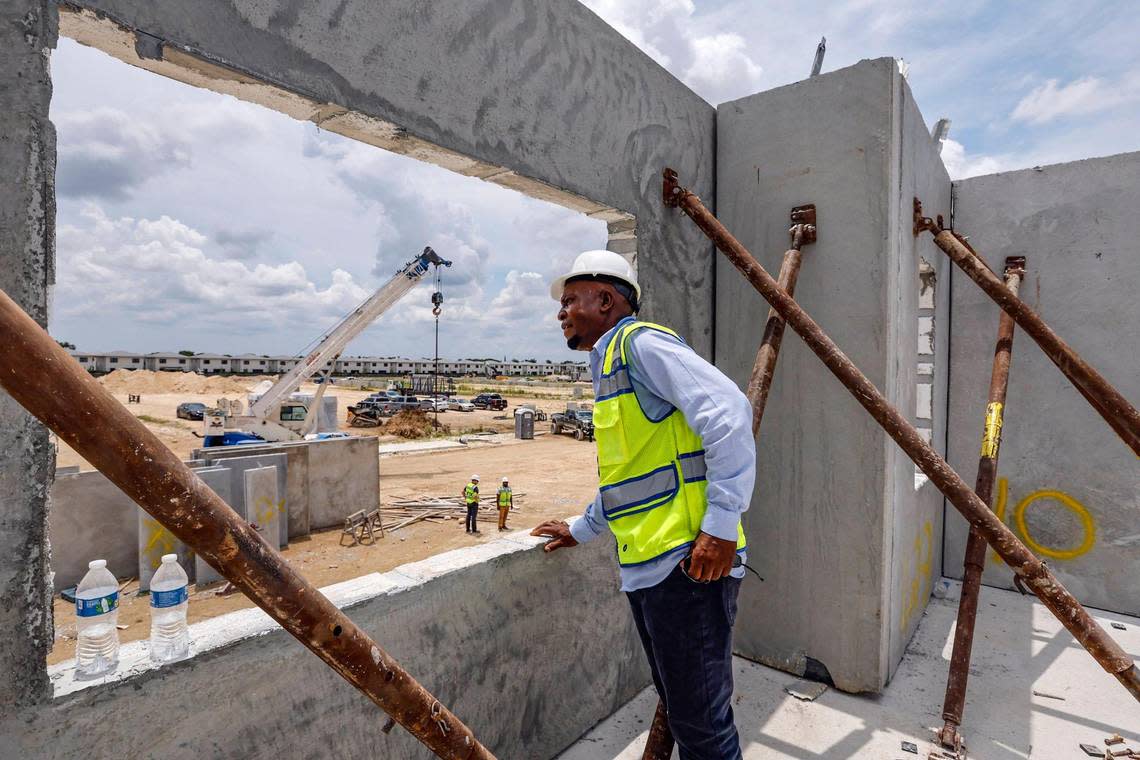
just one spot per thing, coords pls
(225, 630)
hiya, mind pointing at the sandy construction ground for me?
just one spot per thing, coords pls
(557, 474)
(160, 393)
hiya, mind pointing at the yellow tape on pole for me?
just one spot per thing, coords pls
(991, 434)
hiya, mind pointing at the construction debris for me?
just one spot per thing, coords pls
(804, 690)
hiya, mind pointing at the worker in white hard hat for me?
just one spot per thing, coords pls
(471, 499)
(505, 500)
(676, 466)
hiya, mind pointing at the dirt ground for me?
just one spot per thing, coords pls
(160, 393)
(556, 474)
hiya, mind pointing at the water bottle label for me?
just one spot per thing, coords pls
(171, 598)
(100, 606)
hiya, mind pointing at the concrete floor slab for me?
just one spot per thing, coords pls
(1021, 654)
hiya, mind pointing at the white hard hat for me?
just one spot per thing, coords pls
(596, 263)
(474, 477)
(504, 478)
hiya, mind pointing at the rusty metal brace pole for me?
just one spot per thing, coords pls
(803, 232)
(1032, 571)
(44, 379)
(1120, 415)
(976, 544)
(659, 744)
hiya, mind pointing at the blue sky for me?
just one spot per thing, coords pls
(192, 220)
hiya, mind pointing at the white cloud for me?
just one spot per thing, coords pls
(109, 153)
(961, 164)
(721, 62)
(1080, 97)
(106, 153)
(718, 65)
(156, 271)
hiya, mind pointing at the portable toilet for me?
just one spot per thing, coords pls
(524, 423)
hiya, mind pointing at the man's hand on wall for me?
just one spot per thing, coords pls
(711, 558)
(559, 532)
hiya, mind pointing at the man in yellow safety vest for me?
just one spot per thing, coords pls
(676, 466)
(506, 499)
(471, 499)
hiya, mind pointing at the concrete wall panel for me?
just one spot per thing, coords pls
(530, 650)
(344, 477)
(90, 518)
(27, 260)
(834, 503)
(920, 337)
(261, 505)
(154, 541)
(1075, 485)
(220, 480)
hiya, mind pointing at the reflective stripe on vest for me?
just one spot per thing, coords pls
(504, 497)
(470, 494)
(651, 473)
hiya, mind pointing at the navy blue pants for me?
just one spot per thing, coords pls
(686, 629)
(472, 515)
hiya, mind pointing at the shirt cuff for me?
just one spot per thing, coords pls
(581, 531)
(721, 523)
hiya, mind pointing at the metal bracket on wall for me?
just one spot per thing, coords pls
(804, 217)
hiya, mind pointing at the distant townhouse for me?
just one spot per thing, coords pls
(257, 364)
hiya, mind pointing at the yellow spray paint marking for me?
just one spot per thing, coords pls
(991, 433)
(157, 537)
(1088, 526)
(920, 577)
(264, 510)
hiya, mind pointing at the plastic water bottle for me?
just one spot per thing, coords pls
(169, 636)
(97, 615)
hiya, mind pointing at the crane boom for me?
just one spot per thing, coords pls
(334, 343)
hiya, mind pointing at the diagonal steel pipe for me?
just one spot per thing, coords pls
(660, 742)
(43, 378)
(975, 560)
(1033, 572)
(1120, 415)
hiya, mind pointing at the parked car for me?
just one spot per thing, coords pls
(399, 403)
(578, 421)
(438, 404)
(489, 401)
(191, 410)
(460, 405)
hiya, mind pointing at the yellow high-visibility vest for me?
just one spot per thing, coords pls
(471, 493)
(651, 473)
(504, 497)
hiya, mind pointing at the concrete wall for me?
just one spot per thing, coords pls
(90, 518)
(543, 98)
(835, 510)
(529, 649)
(915, 506)
(27, 261)
(1075, 483)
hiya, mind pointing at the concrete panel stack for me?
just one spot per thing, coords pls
(294, 489)
(836, 518)
(1067, 486)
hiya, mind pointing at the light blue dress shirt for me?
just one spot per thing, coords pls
(667, 374)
